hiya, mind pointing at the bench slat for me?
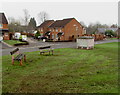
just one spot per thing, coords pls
(44, 47)
(19, 57)
(14, 51)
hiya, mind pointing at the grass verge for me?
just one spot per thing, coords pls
(67, 71)
(12, 42)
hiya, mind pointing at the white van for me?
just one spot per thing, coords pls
(24, 37)
(17, 35)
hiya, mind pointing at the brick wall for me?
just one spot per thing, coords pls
(73, 30)
(6, 36)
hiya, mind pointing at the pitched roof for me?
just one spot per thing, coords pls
(102, 30)
(3, 19)
(46, 23)
(61, 23)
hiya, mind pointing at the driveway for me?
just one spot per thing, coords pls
(55, 45)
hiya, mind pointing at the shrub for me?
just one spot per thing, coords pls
(110, 33)
(37, 34)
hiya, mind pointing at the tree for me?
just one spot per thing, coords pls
(114, 26)
(93, 28)
(109, 33)
(26, 19)
(11, 20)
(14, 25)
(83, 24)
(26, 16)
(42, 16)
(32, 24)
(37, 34)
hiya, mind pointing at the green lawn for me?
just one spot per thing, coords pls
(12, 42)
(112, 38)
(67, 71)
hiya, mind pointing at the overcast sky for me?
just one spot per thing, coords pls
(88, 12)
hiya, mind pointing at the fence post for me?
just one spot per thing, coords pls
(12, 60)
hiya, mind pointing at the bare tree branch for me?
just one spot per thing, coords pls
(42, 16)
(26, 17)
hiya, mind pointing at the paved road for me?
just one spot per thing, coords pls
(4, 46)
(34, 46)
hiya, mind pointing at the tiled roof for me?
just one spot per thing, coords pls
(60, 23)
(3, 19)
(46, 23)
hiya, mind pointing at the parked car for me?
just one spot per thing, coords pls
(43, 37)
(17, 35)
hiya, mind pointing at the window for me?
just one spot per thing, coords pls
(1, 26)
(56, 36)
(60, 30)
(56, 30)
(52, 36)
(76, 28)
(74, 25)
(53, 29)
(41, 29)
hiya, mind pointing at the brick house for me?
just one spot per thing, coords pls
(64, 30)
(4, 27)
(43, 28)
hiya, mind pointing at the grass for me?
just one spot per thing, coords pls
(112, 38)
(67, 71)
(12, 42)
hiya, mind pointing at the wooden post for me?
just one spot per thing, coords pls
(52, 52)
(12, 60)
(40, 52)
(49, 51)
(21, 62)
(25, 58)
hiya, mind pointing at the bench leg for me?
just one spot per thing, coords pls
(40, 53)
(25, 58)
(21, 62)
(12, 60)
(52, 52)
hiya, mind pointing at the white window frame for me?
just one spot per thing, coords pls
(60, 30)
(74, 25)
(56, 36)
(52, 36)
(41, 29)
(56, 30)
(53, 29)
(76, 28)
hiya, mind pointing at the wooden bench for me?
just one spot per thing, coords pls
(18, 57)
(46, 49)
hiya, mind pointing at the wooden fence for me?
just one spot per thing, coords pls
(97, 37)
